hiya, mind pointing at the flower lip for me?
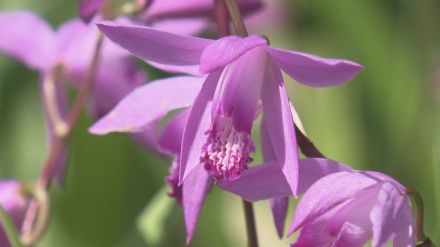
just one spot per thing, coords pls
(226, 153)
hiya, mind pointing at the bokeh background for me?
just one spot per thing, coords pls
(387, 119)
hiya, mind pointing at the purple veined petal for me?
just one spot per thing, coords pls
(28, 38)
(195, 189)
(192, 8)
(239, 89)
(391, 215)
(149, 103)
(252, 187)
(156, 46)
(182, 26)
(314, 234)
(199, 121)
(88, 8)
(328, 192)
(225, 50)
(171, 139)
(279, 207)
(313, 70)
(276, 108)
(351, 226)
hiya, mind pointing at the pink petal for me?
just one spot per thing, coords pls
(276, 108)
(88, 8)
(148, 103)
(326, 193)
(351, 225)
(199, 121)
(225, 50)
(171, 139)
(267, 181)
(156, 46)
(195, 189)
(28, 38)
(391, 215)
(279, 212)
(313, 70)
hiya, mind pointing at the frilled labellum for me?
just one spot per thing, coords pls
(227, 152)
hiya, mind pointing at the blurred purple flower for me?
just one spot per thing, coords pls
(14, 202)
(65, 56)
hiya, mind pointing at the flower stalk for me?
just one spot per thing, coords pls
(237, 21)
(38, 212)
(250, 224)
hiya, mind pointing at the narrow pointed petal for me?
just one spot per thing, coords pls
(171, 139)
(327, 193)
(195, 189)
(313, 70)
(88, 8)
(151, 101)
(192, 8)
(279, 212)
(276, 107)
(28, 38)
(156, 46)
(225, 50)
(267, 181)
(199, 121)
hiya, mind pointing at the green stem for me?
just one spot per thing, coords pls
(10, 229)
(250, 224)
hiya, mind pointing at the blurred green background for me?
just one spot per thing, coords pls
(387, 119)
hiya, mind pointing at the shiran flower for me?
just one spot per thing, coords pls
(243, 75)
(344, 208)
(15, 203)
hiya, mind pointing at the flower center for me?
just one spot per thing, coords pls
(226, 154)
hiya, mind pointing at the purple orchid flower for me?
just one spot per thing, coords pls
(242, 72)
(340, 206)
(67, 53)
(14, 202)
